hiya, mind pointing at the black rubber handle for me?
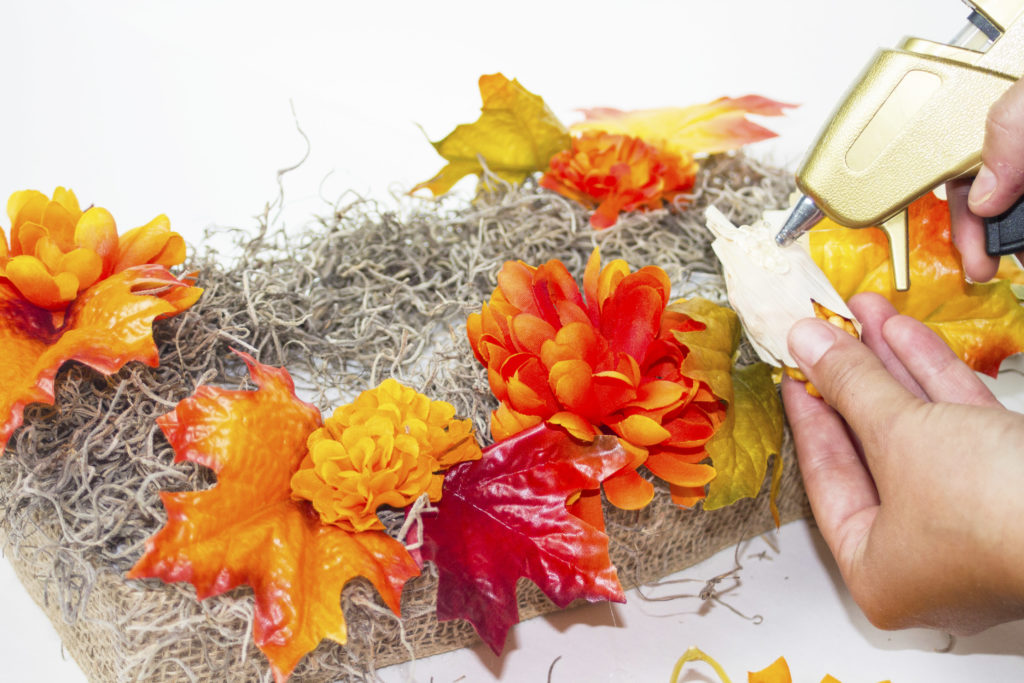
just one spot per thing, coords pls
(1004, 234)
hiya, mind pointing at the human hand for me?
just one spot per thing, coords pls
(914, 474)
(999, 183)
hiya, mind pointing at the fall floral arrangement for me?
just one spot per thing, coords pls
(608, 386)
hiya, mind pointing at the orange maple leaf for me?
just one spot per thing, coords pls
(717, 126)
(248, 529)
(982, 323)
(105, 327)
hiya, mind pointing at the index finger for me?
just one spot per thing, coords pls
(851, 379)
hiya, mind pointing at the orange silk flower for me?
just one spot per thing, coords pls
(608, 363)
(388, 447)
(57, 251)
(618, 173)
(71, 289)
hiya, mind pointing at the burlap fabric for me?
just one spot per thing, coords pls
(357, 298)
(103, 639)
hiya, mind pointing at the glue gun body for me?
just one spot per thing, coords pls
(914, 120)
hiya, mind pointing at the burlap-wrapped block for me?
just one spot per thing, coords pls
(358, 296)
(148, 631)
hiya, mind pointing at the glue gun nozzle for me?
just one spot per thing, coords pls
(805, 216)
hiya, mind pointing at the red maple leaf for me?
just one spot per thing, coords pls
(504, 516)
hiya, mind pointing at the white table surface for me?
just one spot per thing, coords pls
(187, 109)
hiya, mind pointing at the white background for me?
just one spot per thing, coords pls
(187, 109)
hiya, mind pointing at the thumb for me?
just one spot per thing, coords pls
(1001, 178)
(850, 378)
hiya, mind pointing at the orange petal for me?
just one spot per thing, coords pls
(67, 199)
(97, 231)
(47, 251)
(571, 380)
(26, 206)
(85, 264)
(38, 286)
(530, 332)
(528, 389)
(778, 672)
(24, 238)
(105, 327)
(525, 399)
(691, 429)
(515, 280)
(506, 422)
(611, 392)
(153, 242)
(588, 507)
(60, 225)
(641, 430)
(571, 312)
(576, 340)
(627, 490)
(637, 454)
(687, 496)
(677, 472)
(631, 319)
(576, 425)
(611, 275)
(559, 283)
(658, 394)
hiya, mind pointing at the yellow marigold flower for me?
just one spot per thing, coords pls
(56, 250)
(388, 447)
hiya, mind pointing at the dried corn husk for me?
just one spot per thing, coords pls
(769, 286)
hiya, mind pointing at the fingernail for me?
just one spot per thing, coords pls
(810, 339)
(982, 187)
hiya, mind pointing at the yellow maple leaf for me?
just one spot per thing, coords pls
(752, 431)
(717, 126)
(982, 323)
(515, 136)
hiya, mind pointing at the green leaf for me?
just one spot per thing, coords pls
(751, 434)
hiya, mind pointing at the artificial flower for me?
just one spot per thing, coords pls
(609, 362)
(57, 251)
(617, 173)
(388, 447)
(70, 289)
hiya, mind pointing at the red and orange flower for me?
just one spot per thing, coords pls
(71, 289)
(602, 361)
(618, 173)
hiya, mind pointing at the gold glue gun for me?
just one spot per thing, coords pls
(915, 119)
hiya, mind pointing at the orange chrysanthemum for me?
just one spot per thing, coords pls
(71, 289)
(618, 173)
(606, 364)
(387, 448)
(57, 251)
